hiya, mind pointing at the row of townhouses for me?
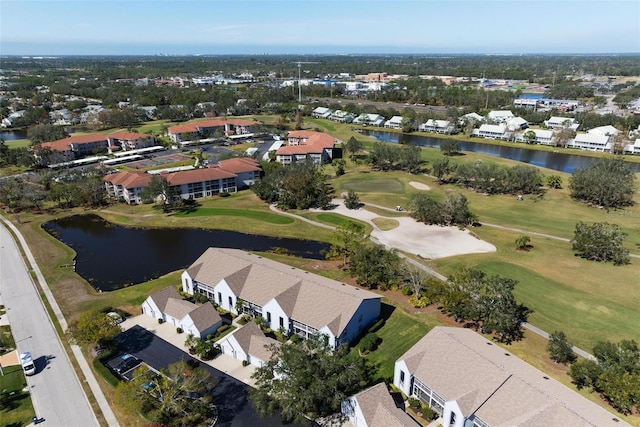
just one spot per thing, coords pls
(466, 379)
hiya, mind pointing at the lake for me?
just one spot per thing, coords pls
(557, 161)
(110, 256)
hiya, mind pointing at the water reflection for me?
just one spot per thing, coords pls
(111, 257)
(557, 161)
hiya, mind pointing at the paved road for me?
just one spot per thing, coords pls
(55, 389)
(229, 394)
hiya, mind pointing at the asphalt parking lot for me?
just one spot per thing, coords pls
(229, 394)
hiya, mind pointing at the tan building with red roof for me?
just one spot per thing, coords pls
(304, 144)
(227, 176)
(78, 146)
(209, 128)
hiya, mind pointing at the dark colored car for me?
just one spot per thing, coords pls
(128, 362)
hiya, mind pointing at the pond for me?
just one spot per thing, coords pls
(110, 256)
(12, 135)
(557, 161)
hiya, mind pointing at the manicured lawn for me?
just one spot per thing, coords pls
(336, 220)
(399, 333)
(18, 143)
(16, 408)
(385, 224)
(373, 185)
(243, 213)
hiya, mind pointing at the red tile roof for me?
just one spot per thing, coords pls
(64, 144)
(197, 175)
(128, 136)
(299, 149)
(315, 142)
(128, 179)
(239, 165)
(212, 123)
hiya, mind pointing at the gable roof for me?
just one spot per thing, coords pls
(239, 165)
(161, 297)
(128, 136)
(197, 175)
(308, 298)
(205, 316)
(492, 384)
(379, 409)
(65, 143)
(178, 308)
(254, 342)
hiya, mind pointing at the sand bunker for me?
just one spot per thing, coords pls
(419, 185)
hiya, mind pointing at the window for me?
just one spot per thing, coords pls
(220, 298)
(281, 322)
(401, 377)
(268, 318)
(230, 302)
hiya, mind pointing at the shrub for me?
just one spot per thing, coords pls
(414, 402)
(245, 363)
(376, 326)
(428, 413)
(179, 330)
(224, 194)
(222, 328)
(369, 342)
(407, 290)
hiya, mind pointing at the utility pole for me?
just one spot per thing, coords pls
(299, 83)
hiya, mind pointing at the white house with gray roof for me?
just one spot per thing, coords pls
(374, 407)
(472, 382)
(285, 297)
(248, 343)
(168, 305)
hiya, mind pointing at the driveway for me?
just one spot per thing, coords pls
(229, 394)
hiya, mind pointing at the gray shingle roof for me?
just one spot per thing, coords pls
(254, 342)
(161, 297)
(308, 298)
(495, 385)
(205, 316)
(380, 410)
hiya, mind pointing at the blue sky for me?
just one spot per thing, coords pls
(133, 27)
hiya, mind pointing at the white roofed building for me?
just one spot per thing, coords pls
(492, 131)
(321, 113)
(592, 142)
(394, 122)
(499, 116)
(556, 122)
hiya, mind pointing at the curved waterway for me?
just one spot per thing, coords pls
(557, 161)
(110, 256)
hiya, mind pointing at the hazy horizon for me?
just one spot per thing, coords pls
(145, 28)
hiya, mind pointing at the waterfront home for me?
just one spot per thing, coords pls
(394, 122)
(556, 122)
(374, 407)
(321, 113)
(369, 120)
(499, 116)
(542, 136)
(592, 142)
(492, 131)
(437, 126)
(289, 299)
(248, 344)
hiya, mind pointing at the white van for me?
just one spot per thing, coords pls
(28, 366)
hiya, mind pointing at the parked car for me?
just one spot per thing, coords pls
(127, 363)
(26, 361)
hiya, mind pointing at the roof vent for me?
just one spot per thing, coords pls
(615, 420)
(488, 343)
(545, 377)
(507, 354)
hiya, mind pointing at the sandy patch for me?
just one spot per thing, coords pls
(419, 186)
(427, 241)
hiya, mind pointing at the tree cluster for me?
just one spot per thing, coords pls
(307, 379)
(487, 302)
(77, 188)
(179, 396)
(45, 133)
(615, 374)
(454, 210)
(560, 350)
(387, 157)
(300, 185)
(492, 178)
(600, 241)
(607, 182)
(93, 327)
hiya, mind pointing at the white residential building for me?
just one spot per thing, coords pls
(492, 131)
(249, 344)
(300, 302)
(556, 122)
(437, 126)
(195, 320)
(304, 144)
(394, 122)
(632, 148)
(591, 141)
(374, 407)
(472, 382)
(342, 116)
(543, 136)
(516, 123)
(321, 113)
(369, 120)
(499, 116)
(607, 130)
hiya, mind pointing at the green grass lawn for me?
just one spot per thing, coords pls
(399, 333)
(336, 220)
(16, 408)
(18, 143)
(243, 213)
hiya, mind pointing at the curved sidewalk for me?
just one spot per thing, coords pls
(77, 353)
